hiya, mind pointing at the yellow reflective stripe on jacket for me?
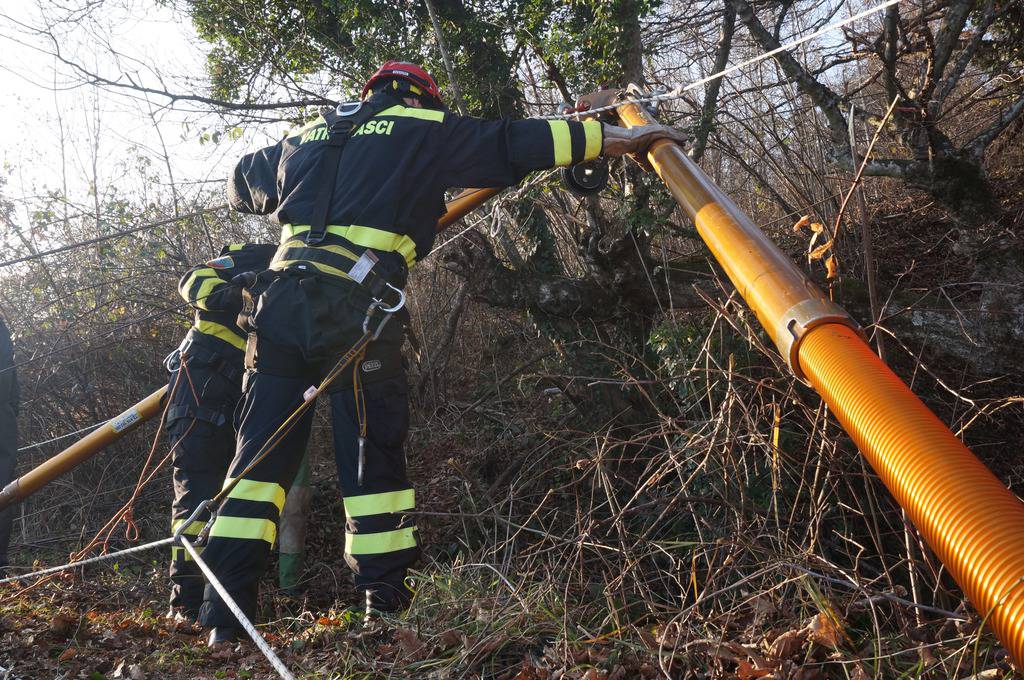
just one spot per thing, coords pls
(380, 503)
(192, 530)
(179, 554)
(384, 241)
(595, 135)
(410, 112)
(251, 490)
(190, 296)
(319, 120)
(381, 542)
(206, 288)
(368, 237)
(223, 332)
(562, 142)
(245, 528)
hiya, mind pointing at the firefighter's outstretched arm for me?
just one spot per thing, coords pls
(500, 153)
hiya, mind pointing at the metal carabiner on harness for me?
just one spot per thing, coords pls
(398, 305)
(204, 532)
(172, 362)
(381, 306)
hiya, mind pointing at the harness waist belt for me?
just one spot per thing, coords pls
(381, 240)
(204, 348)
(333, 260)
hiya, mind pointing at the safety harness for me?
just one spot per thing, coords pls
(335, 260)
(225, 366)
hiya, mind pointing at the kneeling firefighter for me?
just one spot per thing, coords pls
(205, 387)
(358, 192)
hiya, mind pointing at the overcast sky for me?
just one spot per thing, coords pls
(113, 128)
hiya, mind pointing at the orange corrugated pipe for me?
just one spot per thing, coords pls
(970, 519)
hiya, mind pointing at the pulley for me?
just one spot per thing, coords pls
(587, 178)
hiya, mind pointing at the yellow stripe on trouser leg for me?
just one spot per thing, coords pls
(381, 542)
(380, 503)
(178, 554)
(251, 490)
(562, 142)
(245, 528)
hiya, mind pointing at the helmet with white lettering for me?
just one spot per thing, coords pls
(420, 82)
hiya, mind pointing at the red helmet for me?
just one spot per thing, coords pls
(413, 74)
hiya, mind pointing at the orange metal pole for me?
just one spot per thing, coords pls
(969, 518)
(465, 203)
(82, 450)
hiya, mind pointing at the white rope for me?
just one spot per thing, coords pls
(250, 629)
(678, 92)
(87, 428)
(91, 560)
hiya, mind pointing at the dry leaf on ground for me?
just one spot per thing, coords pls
(412, 647)
(825, 631)
(787, 645)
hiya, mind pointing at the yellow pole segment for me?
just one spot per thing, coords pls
(82, 450)
(969, 518)
(463, 204)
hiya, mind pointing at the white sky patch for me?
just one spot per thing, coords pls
(61, 130)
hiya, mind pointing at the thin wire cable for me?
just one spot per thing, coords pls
(87, 428)
(118, 234)
(246, 624)
(116, 329)
(91, 560)
(678, 92)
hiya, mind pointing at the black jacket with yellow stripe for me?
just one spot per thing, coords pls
(394, 170)
(217, 301)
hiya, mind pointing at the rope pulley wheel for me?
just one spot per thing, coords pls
(586, 179)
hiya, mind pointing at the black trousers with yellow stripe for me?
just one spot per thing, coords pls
(200, 431)
(303, 323)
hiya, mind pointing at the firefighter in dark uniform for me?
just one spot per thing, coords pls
(399, 151)
(205, 387)
(8, 433)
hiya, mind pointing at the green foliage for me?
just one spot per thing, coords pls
(588, 41)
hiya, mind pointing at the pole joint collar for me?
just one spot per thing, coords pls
(801, 318)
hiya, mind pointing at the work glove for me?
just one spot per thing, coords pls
(245, 279)
(224, 298)
(619, 141)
